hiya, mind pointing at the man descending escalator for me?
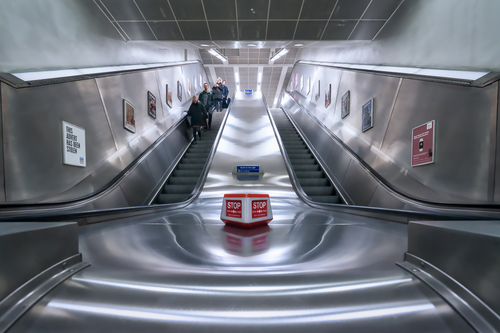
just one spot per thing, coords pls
(206, 98)
(198, 115)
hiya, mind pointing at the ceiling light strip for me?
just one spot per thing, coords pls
(278, 55)
(216, 53)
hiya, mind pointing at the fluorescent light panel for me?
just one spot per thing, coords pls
(217, 54)
(278, 55)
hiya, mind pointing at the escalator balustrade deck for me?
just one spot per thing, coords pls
(309, 173)
(183, 179)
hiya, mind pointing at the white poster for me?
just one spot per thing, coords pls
(73, 145)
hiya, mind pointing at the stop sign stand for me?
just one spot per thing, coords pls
(246, 210)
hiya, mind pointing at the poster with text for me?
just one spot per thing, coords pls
(423, 144)
(346, 105)
(151, 105)
(328, 96)
(367, 116)
(73, 138)
(296, 80)
(318, 91)
(128, 116)
(179, 90)
(301, 82)
(189, 89)
(169, 97)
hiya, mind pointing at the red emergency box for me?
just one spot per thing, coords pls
(246, 210)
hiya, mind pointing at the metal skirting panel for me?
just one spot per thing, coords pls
(31, 125)
(112, 199)
(360, 184)
(158, 161)
(461, 173)
(138, 184)
(2, 169)
(27, 249)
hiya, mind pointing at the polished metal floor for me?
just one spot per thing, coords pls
(186, 272)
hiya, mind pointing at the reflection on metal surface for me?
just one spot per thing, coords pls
(246, 242)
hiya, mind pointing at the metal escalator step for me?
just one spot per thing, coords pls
(314, 182)
(183, 180)
(178, 189)
(318, 190)
(291, 151)
(187, 173)
(309, 174)
(334, 199)
(295, 162)
(190, 166)
(202, 154)
(294, 156)
(171, 198)
(306, 167)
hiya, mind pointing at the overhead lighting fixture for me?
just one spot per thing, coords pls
(299, 45)
(217, 54)
(205, 45)
(279, 54)
(251, 44)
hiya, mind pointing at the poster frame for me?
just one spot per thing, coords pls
(344, 112)
(308, 86)
(64, 160)
(301, 82)
(168, 95)
(179, 90)
(328, 96)
(371, 106)
(151, 111)
(128, 127)
(318, 92)
(434, 123)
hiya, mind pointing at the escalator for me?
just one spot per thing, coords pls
(309, 173)
(185, 176)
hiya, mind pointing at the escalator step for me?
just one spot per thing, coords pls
(171, 198)
(307, 167)
(309, 174)
(190, 166)
(178, 189)
(318, 190)
(314, 182)
(291, 151)
(294, 156)
(186, 173)
(183, 180)
(295, 162)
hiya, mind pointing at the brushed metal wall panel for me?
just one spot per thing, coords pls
(382, 198)
(113, 199)
(462, 117)
(158, 162)
(32, 120)
(174, 144)
(134, 88)
(138, 184)
(359, 185)
(337, 161)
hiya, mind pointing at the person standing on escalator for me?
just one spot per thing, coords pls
(225, 95)
(206, 98)
(217, 92)
(198, 115)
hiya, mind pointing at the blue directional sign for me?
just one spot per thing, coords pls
(248, 91)
(247, 169)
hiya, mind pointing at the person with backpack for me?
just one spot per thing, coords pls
(217, 93)
(225, 95)
(198, 117)
(206, 98)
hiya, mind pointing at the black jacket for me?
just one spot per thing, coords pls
(198, 114)
(217, 92)
(206, 98)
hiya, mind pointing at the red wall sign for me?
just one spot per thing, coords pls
(259, 208)
(233, 208)
(423, 144)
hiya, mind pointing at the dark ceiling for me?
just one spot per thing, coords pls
(262, 20)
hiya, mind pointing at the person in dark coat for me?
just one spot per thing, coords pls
(198, 117)
(225, 95)
(206, 98)
(217, 92)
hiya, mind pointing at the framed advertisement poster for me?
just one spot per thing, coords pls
(423, 145)
(73, 139)
(296, 81)
(151, 105)
(189, 89)
(179, 90)
(318, 91)
(169, 97)
(328, 96)
(345, 107)
(301, 82)
(128, 116)
(367, 116)
(201, 82)
(308, 86)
